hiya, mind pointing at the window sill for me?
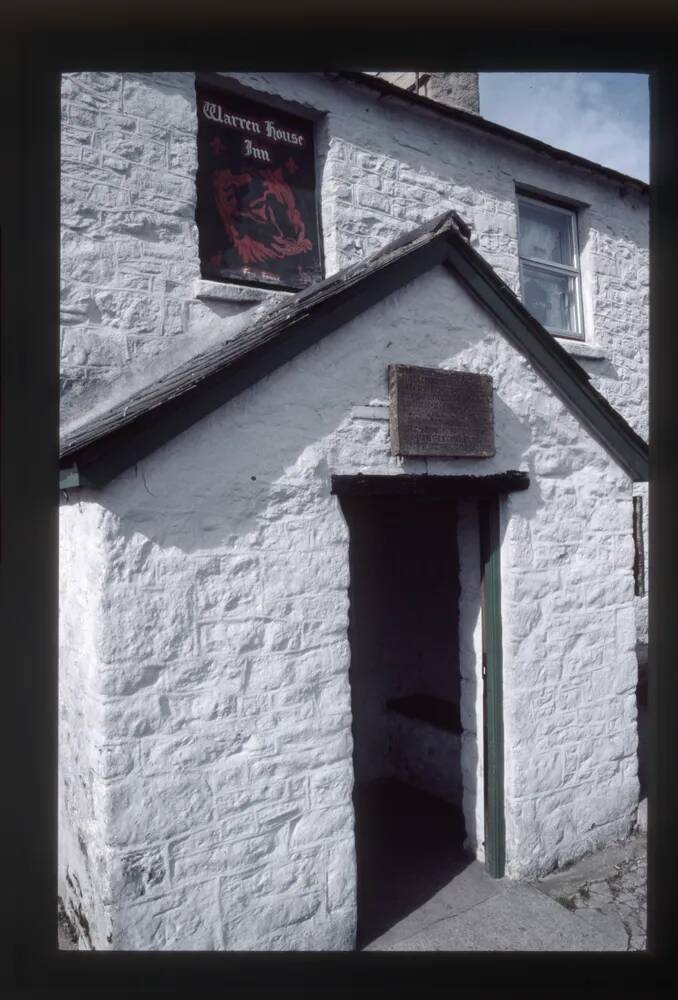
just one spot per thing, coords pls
(580, 349)
(215, 290)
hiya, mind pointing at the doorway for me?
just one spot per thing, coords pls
(405, 694)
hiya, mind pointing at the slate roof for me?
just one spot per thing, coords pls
(98, 448)
(476, 121)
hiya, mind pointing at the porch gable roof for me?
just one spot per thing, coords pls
(96, 449)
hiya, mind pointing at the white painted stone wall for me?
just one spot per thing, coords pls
(129, 239)
(131, 291)
(87, 755)
(217, 659)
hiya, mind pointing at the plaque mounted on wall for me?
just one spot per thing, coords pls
(440, 413)
(257, 211)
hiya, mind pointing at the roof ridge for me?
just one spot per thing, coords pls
(476, 120)
(72, 432)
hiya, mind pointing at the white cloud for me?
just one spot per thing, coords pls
(602, 116)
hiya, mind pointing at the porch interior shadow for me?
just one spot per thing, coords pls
(405, 690)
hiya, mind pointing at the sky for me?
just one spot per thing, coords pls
(602, 116)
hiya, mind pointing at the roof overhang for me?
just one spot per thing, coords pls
(480, 124)
(102, 446)
(431, 486)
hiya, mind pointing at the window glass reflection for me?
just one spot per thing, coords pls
(546, 234)
(550, 298)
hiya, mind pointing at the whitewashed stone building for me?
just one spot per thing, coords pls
(287, 577)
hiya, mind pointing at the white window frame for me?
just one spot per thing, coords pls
(553, 268)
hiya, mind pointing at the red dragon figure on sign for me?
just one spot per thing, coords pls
(260, 214)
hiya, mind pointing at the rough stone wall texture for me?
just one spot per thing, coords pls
(219, 655)
(86, 753)
(129, 239)
(459, 90)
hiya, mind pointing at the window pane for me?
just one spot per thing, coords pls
(551, 298)
(546, 234)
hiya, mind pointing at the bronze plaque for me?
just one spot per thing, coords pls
(442, 413)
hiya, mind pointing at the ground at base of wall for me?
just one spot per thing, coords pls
(607, 890)
(596, 904)
(67, 935)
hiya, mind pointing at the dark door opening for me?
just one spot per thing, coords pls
(405, 692)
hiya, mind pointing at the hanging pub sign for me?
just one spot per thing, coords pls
(256, 200)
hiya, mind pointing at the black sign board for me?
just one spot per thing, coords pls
(440, 413)
(256, 201)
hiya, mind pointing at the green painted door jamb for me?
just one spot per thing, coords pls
(69, 478)
(495, 832)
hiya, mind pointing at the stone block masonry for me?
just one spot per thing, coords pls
(205, 768)
(130, 244)
(458, 90)
(206, 724)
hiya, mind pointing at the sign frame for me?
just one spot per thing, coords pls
(304, 220)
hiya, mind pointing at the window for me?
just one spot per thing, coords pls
(549, 266)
